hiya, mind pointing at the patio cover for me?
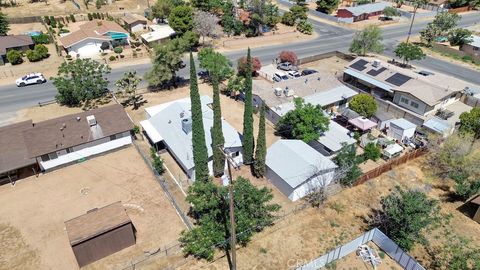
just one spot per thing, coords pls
(362, 123)
(393, 149)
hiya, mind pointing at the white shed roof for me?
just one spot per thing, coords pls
(403, 124)
(367, 8)
(158, 32)
(295, 161)
(335, 136)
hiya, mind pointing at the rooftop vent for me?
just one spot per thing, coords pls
(91, 120)
(187, 125)
(277, 91)
(78, 118)
(376, 63)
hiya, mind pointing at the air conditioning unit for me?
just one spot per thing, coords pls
(278, 91)
(91, 120)
(376, 63)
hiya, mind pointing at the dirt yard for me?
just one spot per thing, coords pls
(25, 8)
(302, 237)
(352, 261)
(32, 230)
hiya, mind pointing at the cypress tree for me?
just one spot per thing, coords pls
(261, 150)
(248, 140)
(217, 133)
(200, 154)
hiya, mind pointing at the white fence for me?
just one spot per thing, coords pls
(377, 237)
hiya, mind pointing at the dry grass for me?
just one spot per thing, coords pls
(38, 207)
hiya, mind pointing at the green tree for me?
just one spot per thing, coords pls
(305, 27)
(363, 104)
(200, 154)
(215, 62)
(218, 140)
(204, 5)
(127, 85)
(161, 9)
(261, 149)
(157, 162)
(14, 57)
(390, 12)
(188, 41)
(460, 37)
(41, 50)
(429, 34)
(299, 12)
(80, 80)
(305, 123)
(327, 6)
(248, 140)
(405, 216)
(272, 17)
(4, 25)
(408, 52)
(445, 22)
(347, 162)
(367, 40)
(33, 56)
(181, 19)
(253, 212)
(288, 18)
(470, 122)
(372, 151)
(41, 39)
(166, 61)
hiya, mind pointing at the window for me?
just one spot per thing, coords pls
(113, 137)
(404, 100)
(414, 104)
(45, 157)
(53, 155)
(69, 150)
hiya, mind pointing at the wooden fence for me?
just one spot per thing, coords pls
(389, 165)
(460, 9)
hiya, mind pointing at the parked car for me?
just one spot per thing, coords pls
(293, 73)
(33, 78)
(287, 66)
(280, 76)
(308, 72)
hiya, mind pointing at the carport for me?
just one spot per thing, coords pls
(99, 233)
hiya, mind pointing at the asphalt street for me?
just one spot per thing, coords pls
(330, 38)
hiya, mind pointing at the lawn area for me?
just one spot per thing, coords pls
(32, 230)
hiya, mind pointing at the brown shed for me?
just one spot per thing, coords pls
(99, 233)
(476, 202)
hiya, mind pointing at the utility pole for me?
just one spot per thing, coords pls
(233, 236)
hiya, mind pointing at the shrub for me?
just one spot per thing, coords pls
(112, 58)
(288, 18)
(41, 39)
(90, 17)
(136, 129)
(41, 50)
(33, 56)
(118, 50)
(53, 22)
(305, 27)
(372, 151)
(288, 56)
(14, 57)
(157, 162)
(46, 19)
(72, 18)
(63, 30)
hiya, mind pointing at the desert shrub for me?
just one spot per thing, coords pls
(14, 57)
(33, 56)
(118, 50)
(112, 58)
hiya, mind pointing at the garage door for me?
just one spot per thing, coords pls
(88, 49)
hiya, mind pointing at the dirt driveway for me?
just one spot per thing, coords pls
(32, 230)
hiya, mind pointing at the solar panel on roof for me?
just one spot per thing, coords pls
(375, 72)
(398, 79)
(359, 65)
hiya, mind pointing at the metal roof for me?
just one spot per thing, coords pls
(403, 123)
(166, 125)
(365, 78)
(295, 161)
(476, 41)
(335, 136)
(367, 8)
(438, 125)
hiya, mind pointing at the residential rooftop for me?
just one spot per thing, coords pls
(367, 8)
(96, 29)
(310, 86)
(73, 130)
(132, 18)
(430, 88)
(13, 150)
(295, 161)
(13, 41)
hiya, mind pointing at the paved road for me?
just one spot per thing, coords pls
(330, 38)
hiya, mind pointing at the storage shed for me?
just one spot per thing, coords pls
(401, 129)
(475, 201)
(295, 168)
(99, 233)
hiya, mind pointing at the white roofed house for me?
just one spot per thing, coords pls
(401, 130)
(169, 126)
(320, 88)
(296, 169)
(159, 33)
